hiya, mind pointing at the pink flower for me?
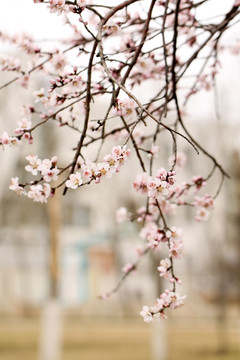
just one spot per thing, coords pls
(121, 152)
(24, 124)
(161, 174)
(89, 169)
(75, 180)
(157, 188)
(203, 205)
(198, 181)
(175, 248)
(151, 184)
(174, 232)
(8, 63)
(24, 81)
(141, 183)
(126, 108)
(128, 267)
(175, 241)
(75, 85)
(5, 139)
(103, 170)
(152, 234)
(206, 201)
(112, 161)
(57, 6)
(202, 214)
(164, 268)
(172, 299)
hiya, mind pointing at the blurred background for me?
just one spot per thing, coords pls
(56, 259)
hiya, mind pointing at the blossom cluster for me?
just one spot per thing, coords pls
(48, 171)
(47, 168)
(168, 299)
(23, 131)
(96, 171)
(163, 198)
(39, 193)
(157, 187)
(6, 139)
(203, 205)
(8, 63)
(125, 107)
(59, 6)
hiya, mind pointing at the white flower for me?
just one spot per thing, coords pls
(112, 162)
(74, 181)
(176, 300)
(50, 174)
(24, 124)
(34, 164)
(103, 169)
(202, 214)
(89, 169)
(164, 268)
(39, 94)
(111, 28)
(146, 314)
(14, 186)
(122, 215)
(82, 3)
(45, 165)
(39, 193)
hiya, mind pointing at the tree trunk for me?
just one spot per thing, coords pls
(51, 324)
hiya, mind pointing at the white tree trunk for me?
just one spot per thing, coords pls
(159, 340)
(51, 332)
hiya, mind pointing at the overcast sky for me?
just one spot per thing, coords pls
(16, 15)
(24, 15)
